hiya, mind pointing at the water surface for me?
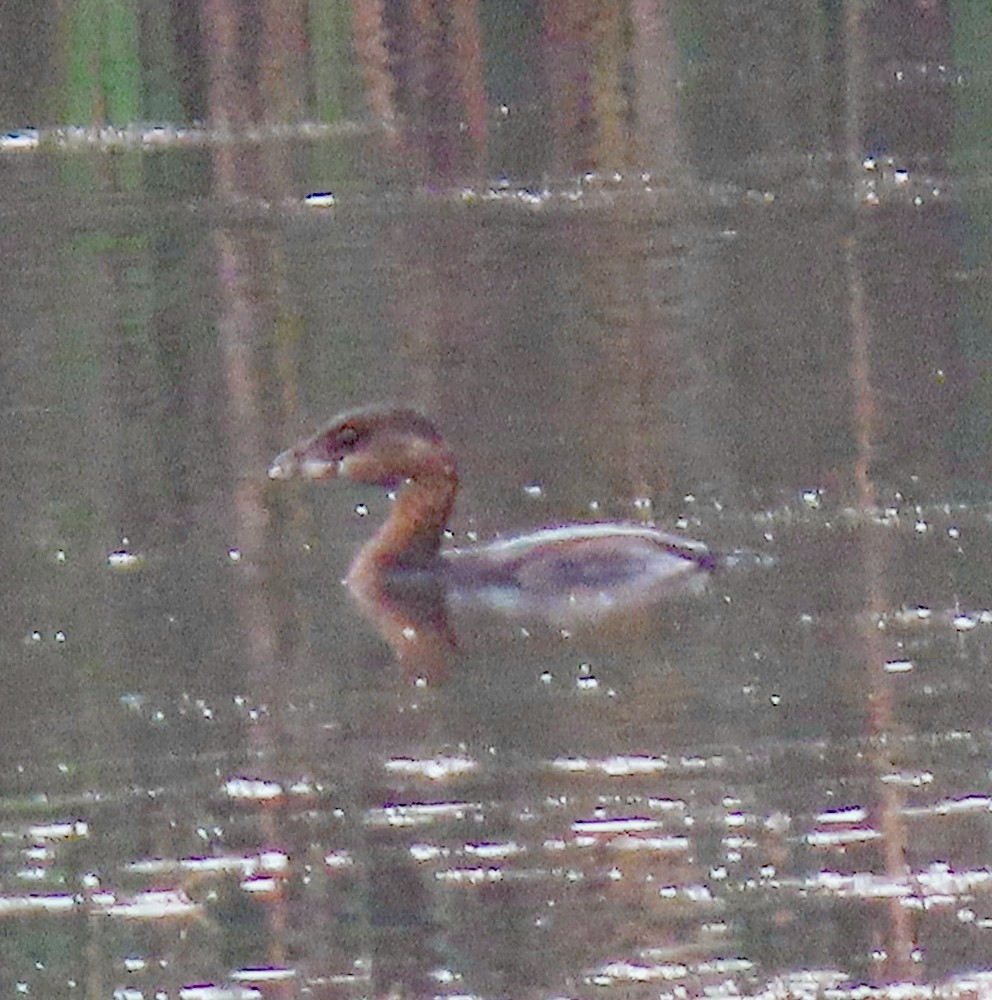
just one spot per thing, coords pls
(216, 772)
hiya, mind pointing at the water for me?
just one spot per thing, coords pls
(758, 324)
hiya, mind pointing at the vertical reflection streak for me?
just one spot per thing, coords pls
(897, 964)
(237, 324)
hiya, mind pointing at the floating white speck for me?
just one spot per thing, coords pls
(636, 973)
(505, 850)
(219, 864)
(155, 905)
(898, 666)
(909, 616)
(946, 807)
(269, 974)
(60, 831)
(435, 768)
(427, 852)
(36, 903)
(22, 139)
(571, 764)
(211, 992)
(471, 876)
(907, 779)
(854, 814)
(274, 861)
(634, 824)
(841, 838)
(418, 813)
(249, 788)
(32, 874)
(320, 199)
(122, 559)
(663, 845)
(260, 884)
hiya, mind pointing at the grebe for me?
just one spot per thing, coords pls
(562, 574)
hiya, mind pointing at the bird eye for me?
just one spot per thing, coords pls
(347, 437)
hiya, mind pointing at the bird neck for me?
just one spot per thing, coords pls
(410, 538)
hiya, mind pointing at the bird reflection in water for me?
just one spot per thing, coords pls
(404, 582)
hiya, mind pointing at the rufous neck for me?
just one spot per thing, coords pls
(411, 535)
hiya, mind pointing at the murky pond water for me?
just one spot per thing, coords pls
(214, 769)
